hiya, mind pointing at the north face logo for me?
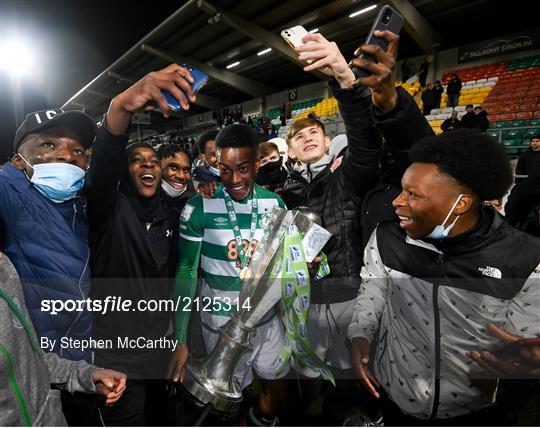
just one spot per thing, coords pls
(491, 272)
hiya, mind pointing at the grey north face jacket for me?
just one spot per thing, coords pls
(26, 372)
(428, 302)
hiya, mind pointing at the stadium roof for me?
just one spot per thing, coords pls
(212, 34)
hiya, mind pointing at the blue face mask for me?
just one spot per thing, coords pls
(213, 170)
(58, 182)
(440, 231)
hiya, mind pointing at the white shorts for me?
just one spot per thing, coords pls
(327, 330)
(265, 346)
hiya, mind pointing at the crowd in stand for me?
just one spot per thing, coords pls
(262, 125)
(424, 295)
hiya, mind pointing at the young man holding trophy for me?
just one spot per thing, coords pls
(223, 232)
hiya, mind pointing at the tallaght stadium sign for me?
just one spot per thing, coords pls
(501, 46)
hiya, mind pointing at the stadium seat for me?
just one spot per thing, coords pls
(517, 123)
(526, 115)
(494, 134)
(512, 142)
(514, 133)
(503, 124)
(532, 132)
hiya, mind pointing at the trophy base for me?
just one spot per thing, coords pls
(227, 402)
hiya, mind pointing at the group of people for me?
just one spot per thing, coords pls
(473, 118)
(423, 285)
(262, 125)
(432, 94)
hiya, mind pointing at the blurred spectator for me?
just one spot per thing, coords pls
(428, 100)
(283, 149)
(405, 70)
(482, 121)
(451, 123)
(283, 119)
(438, 90)
(208, 170)
(423, 72)
(271, 174)
(530, 160)
(469, 118)
(523, 205)
(273, 132)
(453, 90)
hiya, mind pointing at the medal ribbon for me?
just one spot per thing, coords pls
(233, 220)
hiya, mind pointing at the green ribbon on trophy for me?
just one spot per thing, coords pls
(295, 289)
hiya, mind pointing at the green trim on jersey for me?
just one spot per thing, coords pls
(206, 234)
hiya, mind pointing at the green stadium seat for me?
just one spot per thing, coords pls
(514, 133)
(532, 132)
(512, 142)
(493, 134)
(512, 151)
(522, 122)
(503, 124)
(534, 122)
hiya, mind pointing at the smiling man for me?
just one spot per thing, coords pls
(133, 241)
(433, 281)
(207, 232)
(176, 184)
(43, 230)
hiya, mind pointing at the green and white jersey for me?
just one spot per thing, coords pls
(205, 228)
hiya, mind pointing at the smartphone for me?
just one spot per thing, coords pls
(293, 36)
(387, 19)
(199, 80)
(512, 348)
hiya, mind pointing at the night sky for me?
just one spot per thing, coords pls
(73, 42)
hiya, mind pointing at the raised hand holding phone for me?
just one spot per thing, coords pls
(327, 57)
(387, 20)
(294, 36)
(199, 80)
(147, 94)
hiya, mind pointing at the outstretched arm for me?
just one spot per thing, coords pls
(107, 155)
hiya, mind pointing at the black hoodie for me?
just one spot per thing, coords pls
(130, 258)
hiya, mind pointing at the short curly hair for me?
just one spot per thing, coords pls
(471, 158)
(204, 138)
(237, 135)
(169, 150)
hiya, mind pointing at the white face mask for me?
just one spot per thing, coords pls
(440, 231)
(172, 191)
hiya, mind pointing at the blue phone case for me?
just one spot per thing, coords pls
(200, 80)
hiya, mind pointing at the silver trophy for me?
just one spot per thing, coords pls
(210, 379)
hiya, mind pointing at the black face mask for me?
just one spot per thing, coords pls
(271, 174)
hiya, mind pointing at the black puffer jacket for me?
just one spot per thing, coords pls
(337, 197)
(401, 128)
